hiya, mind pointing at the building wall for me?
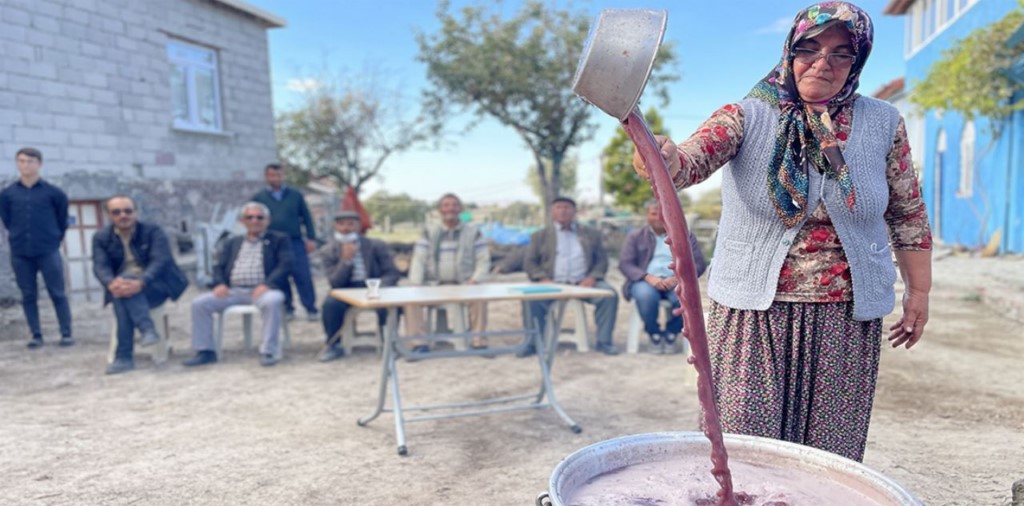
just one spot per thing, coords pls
(88, 83)
(970, 221)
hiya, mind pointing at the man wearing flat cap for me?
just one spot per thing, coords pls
(349, 259)
(570, 253)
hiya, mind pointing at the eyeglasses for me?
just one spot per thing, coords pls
(251, 217)
(837, 60)
(118, 212)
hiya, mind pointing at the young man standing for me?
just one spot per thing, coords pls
(289, 214)
(36, 216)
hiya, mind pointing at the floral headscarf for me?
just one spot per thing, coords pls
(805, 129)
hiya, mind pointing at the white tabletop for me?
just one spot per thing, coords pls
(448, 294)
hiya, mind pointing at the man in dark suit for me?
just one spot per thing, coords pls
(133, 261)
(251, 269)
(349, 260)
(570, 253)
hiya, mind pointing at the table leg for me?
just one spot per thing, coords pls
(546, 346)
(386, 365)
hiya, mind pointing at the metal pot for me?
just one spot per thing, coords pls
(614, 454)
(618, 58)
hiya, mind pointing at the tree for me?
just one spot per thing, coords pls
(973, 78)
(347, 132)
(401, 207)
(519, 72)
(620, 180)
(567, 178)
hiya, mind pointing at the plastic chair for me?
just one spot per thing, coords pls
(351, 337)
(246, 311)
(159, 351)
(579, 334)
(440, 321)
(636, 325)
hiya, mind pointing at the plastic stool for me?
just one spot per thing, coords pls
(161, 350)
(636, 325)
(247, 311)
(351, 337)
(579, 334)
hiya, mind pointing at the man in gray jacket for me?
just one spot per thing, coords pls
(449, 253)
(570, 253)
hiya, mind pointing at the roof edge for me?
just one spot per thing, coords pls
(271, 20)
(897, 7)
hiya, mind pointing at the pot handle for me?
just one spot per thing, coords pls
(543, 499)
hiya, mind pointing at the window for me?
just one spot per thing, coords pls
(966, 187)
(195, 88)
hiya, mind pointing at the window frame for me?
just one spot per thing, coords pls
(968, 139)
(191, 66)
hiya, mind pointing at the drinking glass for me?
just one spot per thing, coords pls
(373, 288)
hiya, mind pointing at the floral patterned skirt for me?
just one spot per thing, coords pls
(800, 372)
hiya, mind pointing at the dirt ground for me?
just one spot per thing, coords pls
(948, 421)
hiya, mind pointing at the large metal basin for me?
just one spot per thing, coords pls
(604, 457)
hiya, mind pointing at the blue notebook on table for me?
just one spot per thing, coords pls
(537, 289)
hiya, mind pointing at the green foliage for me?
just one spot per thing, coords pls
(628, 189)
(518, 71)
(971, 78)
(516, 213)
(567, 178)
(347, 133)
(401, 207)
(708, 205)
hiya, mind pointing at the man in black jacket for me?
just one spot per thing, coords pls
(349, 260)
(133, 261)
(251, 269)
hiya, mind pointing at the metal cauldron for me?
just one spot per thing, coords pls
(606, 456)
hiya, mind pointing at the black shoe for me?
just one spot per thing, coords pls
(202, 358)
(149, 338)
(421, 348)
(527, 351)
(608, 349)
(66, 341)
(289, 316)
(267, 360)
(35, 342)
(313, 317)
(120, 365)
(330, 353)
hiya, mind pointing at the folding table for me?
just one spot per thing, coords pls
(392, 298)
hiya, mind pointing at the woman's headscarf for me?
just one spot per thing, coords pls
(805, 130)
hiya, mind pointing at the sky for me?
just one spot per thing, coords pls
(723, 49)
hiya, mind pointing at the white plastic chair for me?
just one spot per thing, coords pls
(636, 324)
(160, 351)
(578, 334)
(351, 337)
(459, 324)
(246, 311)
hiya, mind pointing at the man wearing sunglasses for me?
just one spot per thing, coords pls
(35, 213)
(250, 269)
(133, 261)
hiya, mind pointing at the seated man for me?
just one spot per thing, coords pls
(644, 261)
(133, 261)
(570, 253)
(449, 253)
(250, 269)
(349, 260)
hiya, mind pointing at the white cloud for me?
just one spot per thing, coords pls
(303, 85)
(781, 25)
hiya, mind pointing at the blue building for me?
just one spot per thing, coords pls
(973, 183)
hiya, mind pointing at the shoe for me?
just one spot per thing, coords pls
(149, 338)
(289, 316)
(421, 348)
(478, 343)
(120, 365)
(202, 358)
(608, 349)
(527, 351)
(268, 360)
(35, 342)
(66, 341)
(655, 346)
(312, 317)
(670, 343)
(333, 352)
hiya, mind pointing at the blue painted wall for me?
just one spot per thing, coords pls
(996, 201)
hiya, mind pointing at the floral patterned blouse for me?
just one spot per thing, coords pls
(815, 269)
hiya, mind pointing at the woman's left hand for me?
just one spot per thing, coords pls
(909, 329)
